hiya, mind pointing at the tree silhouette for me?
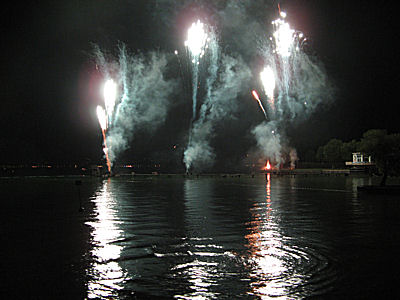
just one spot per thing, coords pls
(385, 151)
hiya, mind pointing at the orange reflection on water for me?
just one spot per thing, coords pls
(268, 196)
(105, 273)
(265, 250)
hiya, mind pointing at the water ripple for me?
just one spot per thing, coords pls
(209, 239)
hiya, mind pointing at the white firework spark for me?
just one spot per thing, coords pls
(101, 116)
(267, 77)
(110, 95)
(196, 40)
(284, 36)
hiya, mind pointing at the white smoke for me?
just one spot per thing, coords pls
(301, 82)
(143, 101)
(269, 142)
(199, 153)
(219, 104)
(293, 158)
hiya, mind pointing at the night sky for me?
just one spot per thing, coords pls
(50, 86)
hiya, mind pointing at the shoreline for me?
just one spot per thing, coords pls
(280, 172)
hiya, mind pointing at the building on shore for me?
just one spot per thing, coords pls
(361, 162)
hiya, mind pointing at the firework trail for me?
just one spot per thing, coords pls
(110, 96)
(199, 38)
(196, 44)
(283, 40)
(101, 116)
(105, 116)
(198, 150)
(291, 72)
(255, 95)
(267, 77)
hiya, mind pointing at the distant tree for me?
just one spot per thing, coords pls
(348, 149)
(332, 151)
(319, 155)
(385, 151)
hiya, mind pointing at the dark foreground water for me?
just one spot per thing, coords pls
(203, 238)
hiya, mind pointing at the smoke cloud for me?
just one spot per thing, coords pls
(144, 95)
(240, 47)
(301, 87)
(269, 142)
(223, 87)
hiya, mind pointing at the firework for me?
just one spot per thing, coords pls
(101, 116)
(268, 81)
(196, 44)
(197, 39)
(105, 115)
(255, 95)
(283, 36)
(110, 95)
(283, 77)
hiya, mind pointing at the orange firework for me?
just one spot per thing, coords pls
(106, 151)
(255, 95)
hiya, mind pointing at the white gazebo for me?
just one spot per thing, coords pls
(360, 159)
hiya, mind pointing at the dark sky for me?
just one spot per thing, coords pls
(49, 83)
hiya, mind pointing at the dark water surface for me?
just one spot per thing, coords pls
(204, 238)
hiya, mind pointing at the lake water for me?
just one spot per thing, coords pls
(198, 237)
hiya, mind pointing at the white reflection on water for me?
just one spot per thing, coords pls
(359, 181)
(266, 251)
(200, 275)
(200, 272)
(105, 273)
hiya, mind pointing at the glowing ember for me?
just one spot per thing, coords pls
(255, 95)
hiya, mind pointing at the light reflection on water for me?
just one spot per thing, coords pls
(265, 247)
(200, 276)
(106, 276)
(267, 261)
(209, 238)
(200, 271)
